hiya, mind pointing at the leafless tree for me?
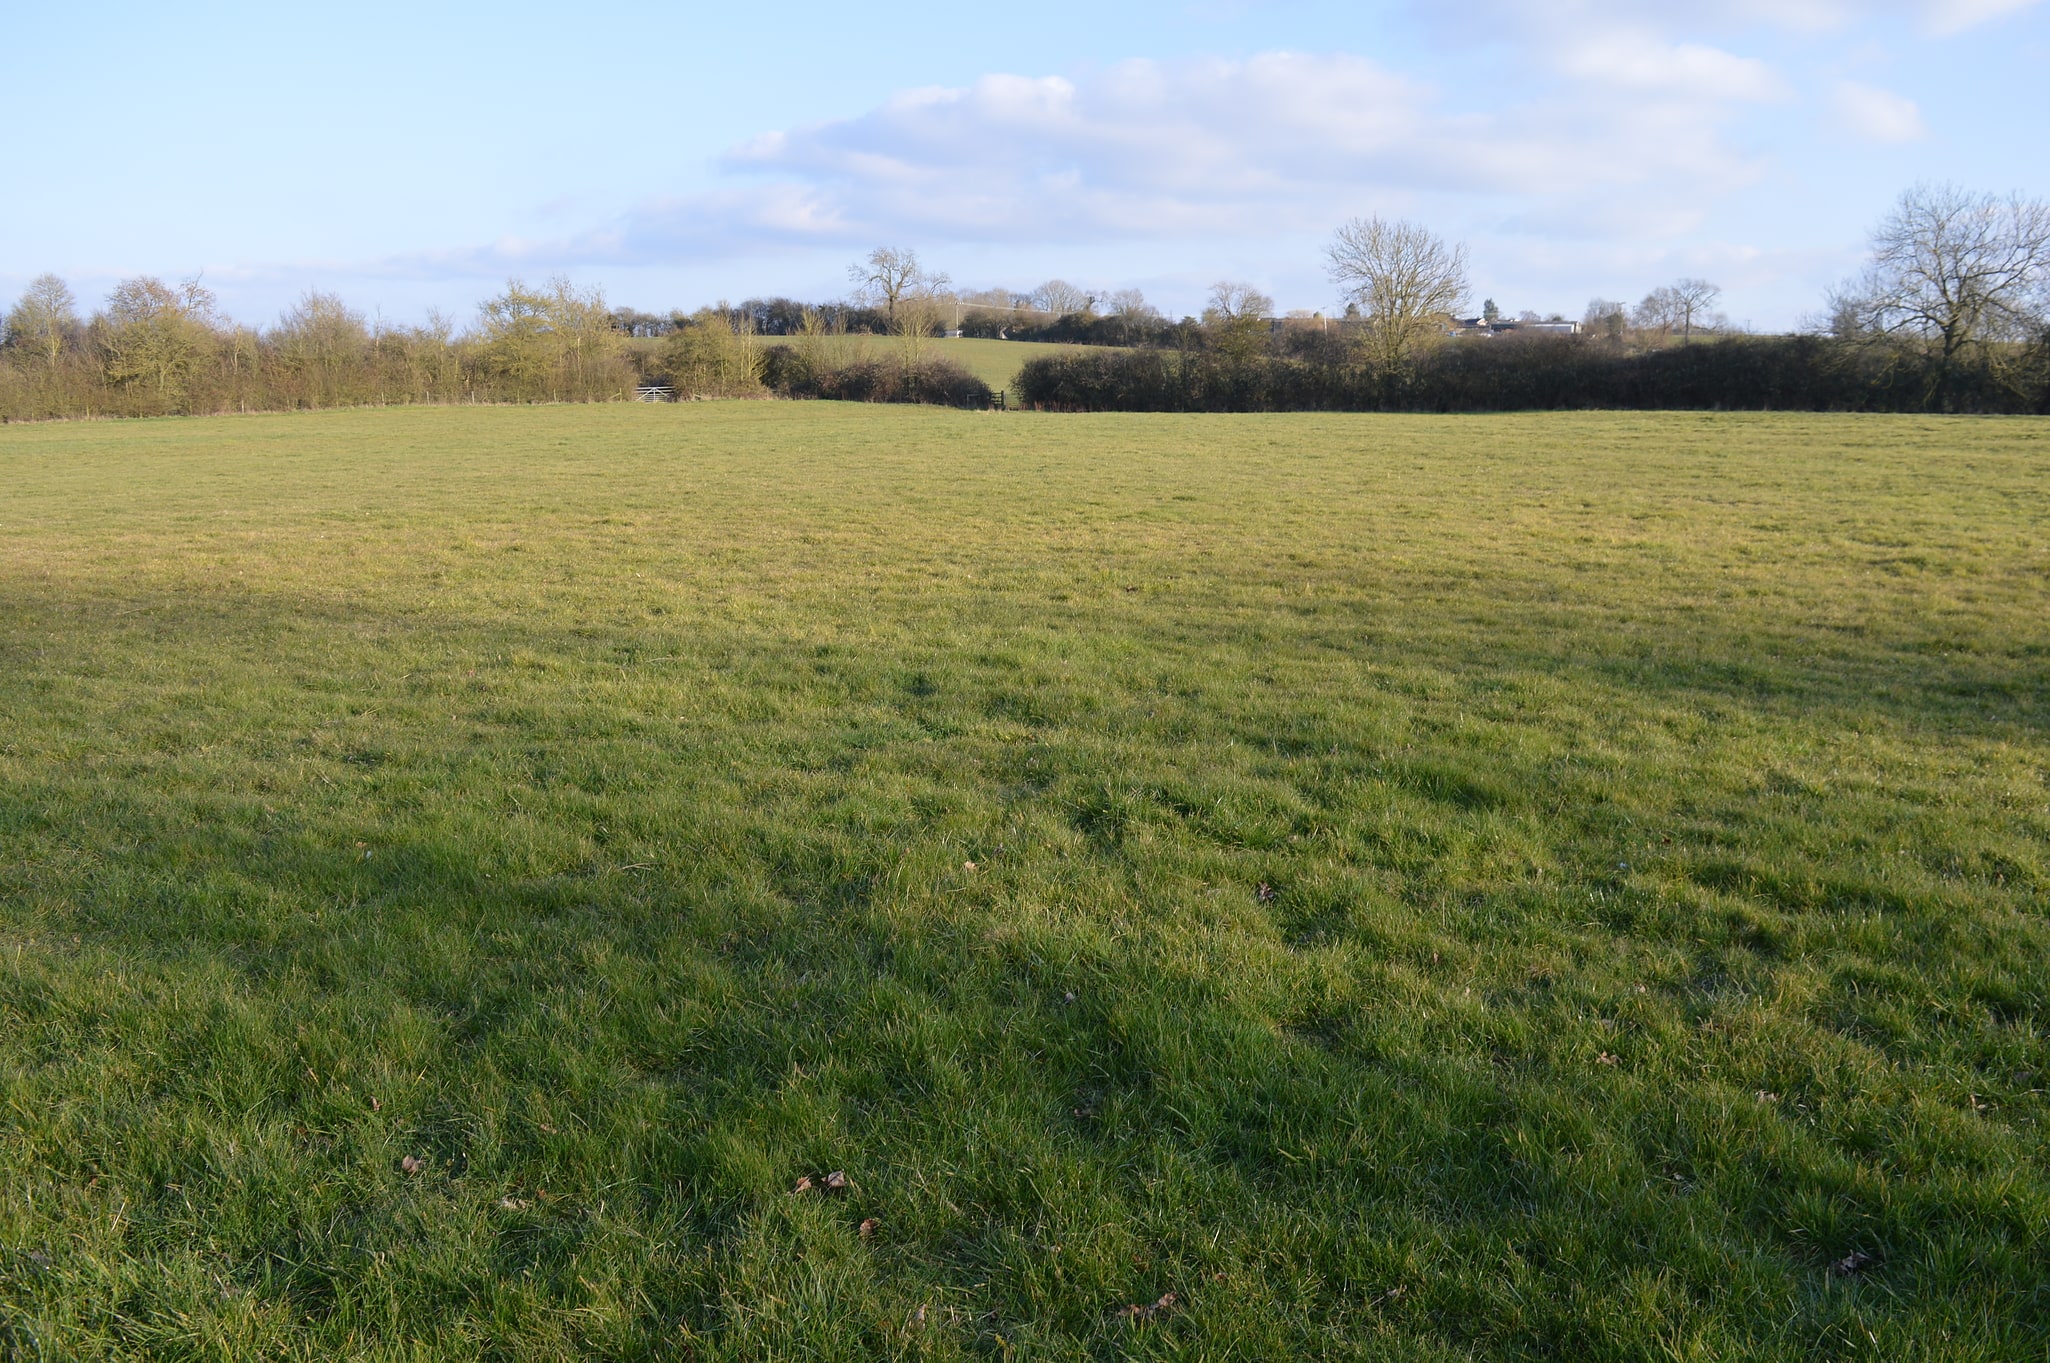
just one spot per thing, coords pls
(1058, 298)
(1692, 299)
(1231, 301)
(1131, 305)
(1237, 320)
(1657, 311)
(892, 274)
(1606, 318)
(45, 320)
(1954, 271)
(1404, 279)
(322, 343)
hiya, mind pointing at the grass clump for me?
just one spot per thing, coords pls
(1422, 888)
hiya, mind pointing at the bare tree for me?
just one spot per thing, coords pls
(1058, 298)
(1131, 305)
(1658, 311)
(1237, 320)
(1404, 279)
(715, 354)
(1692, 298)
(890, 275)
(1606, 318)
(45, 320)
(323, 344)
(1954, 271)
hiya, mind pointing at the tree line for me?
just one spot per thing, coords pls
(1951, 313)
(157, 349)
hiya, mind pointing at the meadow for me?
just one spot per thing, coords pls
(800, 881)
(996, 363)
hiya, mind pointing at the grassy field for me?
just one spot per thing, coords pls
(996, 363)
(1564, 886)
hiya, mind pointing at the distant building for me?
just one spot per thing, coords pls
(1480, 328)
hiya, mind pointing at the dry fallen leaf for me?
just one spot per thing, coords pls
(1163, 1306)
(1605, 1058)
(514, 1204)
(1266, 893)
(376, 1103)
(412, 1164)
(967, 865)
(869, 1228)
(836, 1182)
(804, 1185)
(1857, 1261)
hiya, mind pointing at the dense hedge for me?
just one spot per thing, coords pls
(1795, 373)
(930, 379)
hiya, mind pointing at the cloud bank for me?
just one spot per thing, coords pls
(1276, 143)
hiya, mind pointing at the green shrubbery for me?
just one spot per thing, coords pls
(156, 349)
(790, 372)
(1320, 373)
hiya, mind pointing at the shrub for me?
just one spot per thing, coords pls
(929, 379)
(1789, 373)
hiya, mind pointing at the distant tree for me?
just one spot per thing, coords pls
(715, 355)
(44, 321)
(1405, 280)
(1231, 301)
(822, 345)
(631, 322)
(553, 343)
(587, 348)
(1692, 299)
(1130, 305)
(1606, 318)
(1002, 300)
(1058, 298)
(424, 363)
(153, 337)
(1658, 311)
(891, 274)
(512, 340)
(323, 346)
(1490, 312)
(1236, 321)
(1955, 272)
(920, 317)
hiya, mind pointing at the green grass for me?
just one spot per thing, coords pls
(996, 363)
(623, 812)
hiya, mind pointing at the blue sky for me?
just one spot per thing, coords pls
(410, 156)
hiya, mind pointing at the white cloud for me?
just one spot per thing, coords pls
(1941, 16)
(1640, 61)
(1954, 16)
(1279, 142)
(1565, 19)
(1880, 115)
